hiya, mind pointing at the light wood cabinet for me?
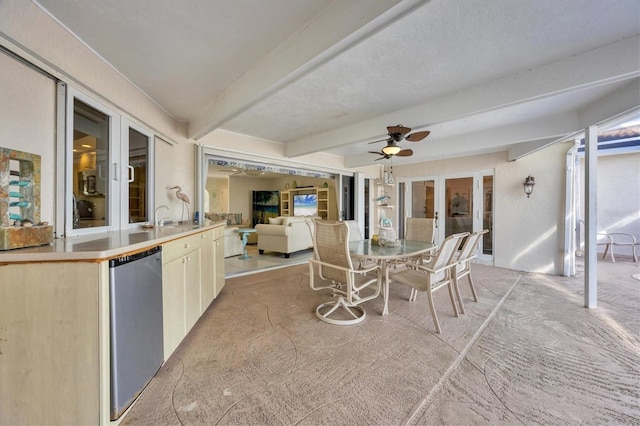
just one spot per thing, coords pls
(212, 267)
(173, 312)
(181, 287)
(208, 284)
(50, 362)
(218, 256)
(325, 206)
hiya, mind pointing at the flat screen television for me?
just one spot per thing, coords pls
(305, 205)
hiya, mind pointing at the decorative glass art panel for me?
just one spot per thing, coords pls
(20, 224)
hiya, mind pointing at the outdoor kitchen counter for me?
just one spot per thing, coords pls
(102, 246)
(55, 323)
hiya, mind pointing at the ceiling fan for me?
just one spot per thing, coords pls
(396, 134)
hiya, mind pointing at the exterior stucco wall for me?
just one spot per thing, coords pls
(529, 232)
(618, 203)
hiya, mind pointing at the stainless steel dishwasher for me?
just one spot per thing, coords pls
(135, 287)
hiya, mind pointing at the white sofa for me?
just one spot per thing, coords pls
(285, 234)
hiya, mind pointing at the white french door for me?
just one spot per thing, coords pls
(458, 203)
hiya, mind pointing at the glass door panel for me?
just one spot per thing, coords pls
(138, 210)
(487, 217)
(90, 171)
(423, 199)
(458, 205)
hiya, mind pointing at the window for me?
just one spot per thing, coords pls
(109, 168)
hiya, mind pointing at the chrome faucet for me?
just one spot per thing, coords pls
(161, 221)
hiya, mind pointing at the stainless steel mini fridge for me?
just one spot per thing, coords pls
(136, 325)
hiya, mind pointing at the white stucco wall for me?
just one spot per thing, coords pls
(27, 122)
(618, 203)
(529, 232)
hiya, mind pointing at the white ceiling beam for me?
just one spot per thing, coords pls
(340, 26)
(608, 64)
(523, 149)
(623, 99)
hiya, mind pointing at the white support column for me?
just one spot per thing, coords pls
(591, 218)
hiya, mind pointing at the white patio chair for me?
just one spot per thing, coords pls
(463, 265)
(349, 286)
(418, 229)
(434, 274)
(617, 239)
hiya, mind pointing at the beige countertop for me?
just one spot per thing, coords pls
(104, 245)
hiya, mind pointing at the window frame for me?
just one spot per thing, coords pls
(117, 208)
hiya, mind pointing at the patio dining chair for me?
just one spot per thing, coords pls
(464, 258)
(332, 264)
(435, 274)
(417, 229)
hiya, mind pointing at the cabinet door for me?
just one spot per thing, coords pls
(207, 287)
(218, 265)
(192, 280)
(173, 304)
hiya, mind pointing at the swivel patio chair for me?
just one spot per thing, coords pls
(349, 286)
(434, 274)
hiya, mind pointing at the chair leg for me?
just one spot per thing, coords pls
(473, 288)
(458, 295)
(453, 298)
(413, 295)
(432, 308)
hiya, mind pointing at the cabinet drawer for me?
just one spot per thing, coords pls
(218, 232)
(181, 247)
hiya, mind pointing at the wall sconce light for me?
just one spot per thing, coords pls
(529, 182)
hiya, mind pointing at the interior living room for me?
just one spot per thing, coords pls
(199, 139)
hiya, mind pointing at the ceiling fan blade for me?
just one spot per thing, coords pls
(399, 129)
(376, 152)
(380, 158)
(405, 153)
(417, 136)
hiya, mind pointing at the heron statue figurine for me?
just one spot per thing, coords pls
(185, 201)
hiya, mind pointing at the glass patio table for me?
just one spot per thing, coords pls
(366, 249)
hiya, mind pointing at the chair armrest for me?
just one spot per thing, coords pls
(621, 238)
(264, 229)
(427, 268)
(603, 236)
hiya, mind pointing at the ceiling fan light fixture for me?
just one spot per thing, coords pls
(391, 149)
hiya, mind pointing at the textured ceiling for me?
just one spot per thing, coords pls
(320, 75)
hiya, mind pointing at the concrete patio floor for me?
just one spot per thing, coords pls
(527, 353)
